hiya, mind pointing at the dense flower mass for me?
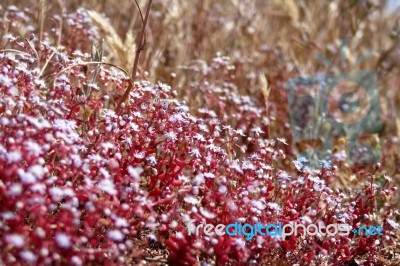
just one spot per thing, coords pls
(82, 183)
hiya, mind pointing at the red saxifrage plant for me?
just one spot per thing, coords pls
(83, 184)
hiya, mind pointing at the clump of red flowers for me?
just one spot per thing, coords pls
(81, 183)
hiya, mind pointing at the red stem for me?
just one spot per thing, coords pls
(140, 47)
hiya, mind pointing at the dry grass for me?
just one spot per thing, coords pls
(121, 52)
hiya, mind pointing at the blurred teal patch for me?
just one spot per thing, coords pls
(327, 106)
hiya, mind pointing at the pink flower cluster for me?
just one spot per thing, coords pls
(80, 183)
